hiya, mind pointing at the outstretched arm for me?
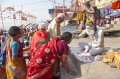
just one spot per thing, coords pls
(80, 35)
(64, 60)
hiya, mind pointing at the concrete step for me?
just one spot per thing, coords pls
(117, 19)
(107, 26)
(65, 75)
(95, 70)
(115, 22)
(113, 26)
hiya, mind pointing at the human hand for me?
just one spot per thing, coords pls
(75, 36)
(26, 57)
(73, 73)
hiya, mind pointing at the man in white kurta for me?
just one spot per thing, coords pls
(54, 26)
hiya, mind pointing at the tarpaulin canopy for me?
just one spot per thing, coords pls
(114, 14)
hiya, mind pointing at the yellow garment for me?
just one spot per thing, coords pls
(79, 15)
(102, 46)
(15, 69)
(109, 56)
(117, 60)
(112, 56)
(88, 21)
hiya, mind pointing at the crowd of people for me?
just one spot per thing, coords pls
(47, 47)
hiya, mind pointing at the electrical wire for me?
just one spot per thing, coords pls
(31, 3)
(55, 2)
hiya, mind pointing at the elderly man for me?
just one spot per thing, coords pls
(54, 26)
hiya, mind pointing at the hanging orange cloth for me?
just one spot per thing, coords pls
(116, 5)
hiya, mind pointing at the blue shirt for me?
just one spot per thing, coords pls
(14, 47)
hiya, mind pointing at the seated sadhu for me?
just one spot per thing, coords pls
(45, 59)
(96, 34)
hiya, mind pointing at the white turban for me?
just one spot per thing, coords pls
(61, 15)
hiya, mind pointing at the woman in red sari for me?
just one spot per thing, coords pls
(45, 61)
(40, 37)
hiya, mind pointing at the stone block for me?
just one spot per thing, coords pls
(117, 22)
(113, 22)
(116, 27)
(109, 26)
(117, 19)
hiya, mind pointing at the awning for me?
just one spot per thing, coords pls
(103, 3)
(114, 14)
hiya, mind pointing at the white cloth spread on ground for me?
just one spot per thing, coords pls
(78, 53)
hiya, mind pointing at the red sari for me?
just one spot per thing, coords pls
(36, 39)
(42, 61)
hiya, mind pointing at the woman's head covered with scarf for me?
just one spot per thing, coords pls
(42, 26)
(39, 37)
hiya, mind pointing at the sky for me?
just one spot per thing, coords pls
(38, 8)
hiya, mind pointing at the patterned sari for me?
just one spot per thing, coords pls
(40, 37)
(44, 62)
(15, 69)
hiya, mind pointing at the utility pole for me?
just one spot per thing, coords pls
(64, 10)
(1, 17)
